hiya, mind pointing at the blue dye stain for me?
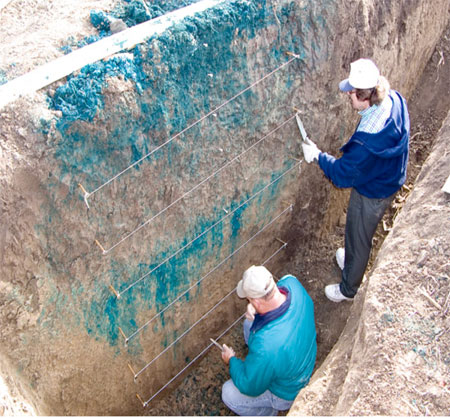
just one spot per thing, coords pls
(104, 313)
(100, 20)
(45, 126)
(81, 97)
(184, 65)
(236, 225)
(3, 77)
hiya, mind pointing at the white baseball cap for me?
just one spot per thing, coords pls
(364, 74)
(256, 282)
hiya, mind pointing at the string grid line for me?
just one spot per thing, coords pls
(142, 327)
(130, 234)
(118, 294)
(215, 268)
(89, 194)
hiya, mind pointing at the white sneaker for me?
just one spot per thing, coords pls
(333, 292)
(340, 258)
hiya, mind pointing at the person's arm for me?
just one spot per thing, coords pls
(346, 171)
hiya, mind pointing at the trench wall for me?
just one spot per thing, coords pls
(181, 225)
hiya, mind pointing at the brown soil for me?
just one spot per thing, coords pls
(199, 393)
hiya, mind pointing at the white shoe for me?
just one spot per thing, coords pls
(340, 258)
(333, 292)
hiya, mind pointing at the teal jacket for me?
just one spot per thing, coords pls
(281, 355)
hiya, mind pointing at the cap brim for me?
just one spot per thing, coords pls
(345, 86)
(240, 291)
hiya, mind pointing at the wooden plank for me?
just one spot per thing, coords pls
(61, 67)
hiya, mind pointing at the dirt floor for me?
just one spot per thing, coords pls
(199, 391)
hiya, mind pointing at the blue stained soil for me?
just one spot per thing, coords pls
(169, 74)
(103, 313)
(157, 289)
(178, 77)
(3, 77)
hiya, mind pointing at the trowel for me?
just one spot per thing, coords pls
(302, 128)
(217, 344)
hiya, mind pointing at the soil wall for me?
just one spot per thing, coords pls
(180, 213)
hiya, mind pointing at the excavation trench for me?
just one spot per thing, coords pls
(137, 189)
(199, 392)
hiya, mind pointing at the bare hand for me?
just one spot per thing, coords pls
(227, 353)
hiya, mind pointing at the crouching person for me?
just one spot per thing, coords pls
(280, 333)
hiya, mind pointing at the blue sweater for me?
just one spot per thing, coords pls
(374, 164)
(281, 354)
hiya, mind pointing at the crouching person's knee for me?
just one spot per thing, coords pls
(229, 394)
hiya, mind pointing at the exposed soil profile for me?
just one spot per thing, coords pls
(198, 390)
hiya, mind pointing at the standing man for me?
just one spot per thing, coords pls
(281, 337)
(373, 163)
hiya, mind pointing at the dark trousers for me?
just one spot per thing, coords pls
(363, 216)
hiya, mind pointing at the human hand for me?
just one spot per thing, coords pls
(227, 353)
(250, 313)
(310, 151)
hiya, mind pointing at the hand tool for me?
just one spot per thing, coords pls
(302, 129)
(217, 344)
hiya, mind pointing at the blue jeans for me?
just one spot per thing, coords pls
(266, 404)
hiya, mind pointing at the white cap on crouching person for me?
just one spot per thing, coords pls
(364, 74)
(256, 282)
